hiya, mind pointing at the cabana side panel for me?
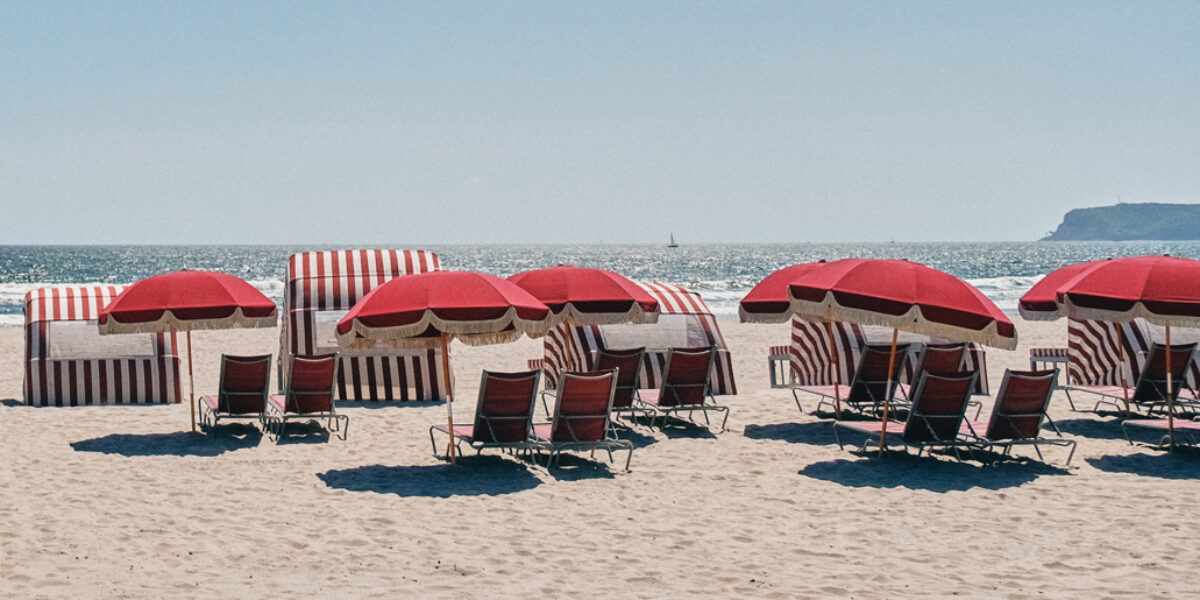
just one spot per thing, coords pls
(68, 363)
(811, 365)
(1094, 358)
(323, 285)
(583, 342)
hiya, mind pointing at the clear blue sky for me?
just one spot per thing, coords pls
(442, 122)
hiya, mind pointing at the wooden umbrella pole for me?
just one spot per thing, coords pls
(191, 381)
(887, 397)
(1170, 396)
(449, 399)
(1121, 355)
(837, 373)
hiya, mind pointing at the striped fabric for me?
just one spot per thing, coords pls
(1094, 359)
(1048, 353)
(333, 281)
(582, 343)
(810, 352)
(92, 380)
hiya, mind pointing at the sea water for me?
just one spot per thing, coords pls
(722, 273)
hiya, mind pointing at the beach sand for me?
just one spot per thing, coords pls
(121, 502)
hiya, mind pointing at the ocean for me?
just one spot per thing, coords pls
(722, 273)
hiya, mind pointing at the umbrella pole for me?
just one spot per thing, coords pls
(191, 381)
(1170, 396)
(837, 373)
(449, 399)
(887, 398)
(1121, 355)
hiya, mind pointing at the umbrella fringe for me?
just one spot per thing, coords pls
(768, 318)
(912, 321)
(573, 316)
(169, 322)
(1138, 311)
(466, 331)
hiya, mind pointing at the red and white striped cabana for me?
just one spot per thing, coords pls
(1093, 357)
(809, 352)
(68, 362)
(684, 321)
(321, 287)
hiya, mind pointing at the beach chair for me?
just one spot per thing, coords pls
(628, 365)
(582, 418)
(939, 402)
(1150, 390)
(309, 396)
(1019, 413)
(870, 384)
(934, 358)
(685, 387)
(242, 392)
(503, 413)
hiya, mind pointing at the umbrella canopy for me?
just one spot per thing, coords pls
(186, 301)
(768, 302)
(585, 296)
(903, 295)
(1164, 290)
(1041, 303)
(417, 310)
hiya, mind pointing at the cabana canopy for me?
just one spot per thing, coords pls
(320, 288)
(68, 362)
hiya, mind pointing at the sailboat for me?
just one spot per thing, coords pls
(672, 243)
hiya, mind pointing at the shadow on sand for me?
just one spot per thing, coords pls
(931, 474)
(818, 433)
(225, 438)
(1092, 428)
(472, 476)
(675, 428)
(1181, 463)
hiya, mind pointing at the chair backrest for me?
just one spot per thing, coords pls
(504, 412)
(1021, 405)
(870, 383)
(941, 358)
(245, 384)
(629, 374)
(1152, 383)
(938, 404)
(310, 386)
(583, 405)
(685, 376)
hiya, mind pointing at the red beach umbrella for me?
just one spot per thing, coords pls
(902, 295)
(585, 296)
(768, 302)
(1041, 303)
(1164, 290)
(429, 309)
(184, 301)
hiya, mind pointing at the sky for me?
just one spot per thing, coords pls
(408, 123)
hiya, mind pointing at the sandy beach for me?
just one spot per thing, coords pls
(122, 502)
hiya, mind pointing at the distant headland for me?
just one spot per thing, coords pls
(1130, 222)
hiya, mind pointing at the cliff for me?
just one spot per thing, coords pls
(1130, 222)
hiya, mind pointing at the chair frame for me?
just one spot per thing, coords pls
(916, 414)
(998, 412)
(656, 411)
(276, 419)
(524, 445)
(857, 380)
(610, 442)
(210, 417)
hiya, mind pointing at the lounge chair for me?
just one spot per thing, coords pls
(869, 386)
(309, 396)
(1019, 413)
(628, 364)
(582, 418)
(242, 393)
(1150, 390)
(938, 404)
(684, 386)
(1186, 432)
(934, 358)
(503, 414)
